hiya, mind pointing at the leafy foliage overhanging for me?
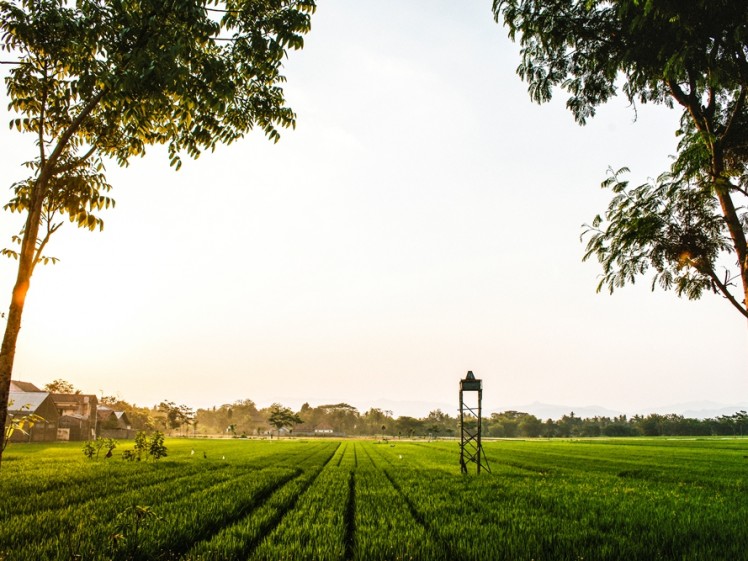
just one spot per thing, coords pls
(690, 223)
(107, 79)
(93, 80)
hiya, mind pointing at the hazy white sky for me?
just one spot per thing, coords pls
(422, 220)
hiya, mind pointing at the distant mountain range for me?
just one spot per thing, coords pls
(693, 409)
(702, 409)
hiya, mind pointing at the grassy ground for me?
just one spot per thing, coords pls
(366, 500)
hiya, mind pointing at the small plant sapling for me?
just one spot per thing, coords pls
(126, 538)
(156, 448)
(22, 423)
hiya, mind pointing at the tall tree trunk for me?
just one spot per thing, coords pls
(738, 236)
(29, 253)
(722, 189)
(26, 263)
(703, 119)
(8, 350)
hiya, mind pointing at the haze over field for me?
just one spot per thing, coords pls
(422, 220)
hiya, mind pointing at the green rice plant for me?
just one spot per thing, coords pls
(201, 515)
(385, 526)
(634, 499)
(316, 527)
(238, 540)
(549, 501)
(20, 537)
(71, 487)
(23, 541)
(348, 458)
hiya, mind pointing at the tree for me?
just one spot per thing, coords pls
(438, 422)
(511, 424)
(374, 419)
(281, 417)
(531, 426)
(689, 226)
(176, 416)
(140, 417)
(60, 386)
(343, 416)
(101, 79)
(109, 400)
(171, 417)
(741, 422)
(242, 415)
(156, 447)
(146, 445)
(409, 426)
(569, 425)
(93, 448)
(186, 415)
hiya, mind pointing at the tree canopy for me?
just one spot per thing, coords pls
(99, 80)
(175, 416)
(689, 226)
(281, 417)
(60, 386)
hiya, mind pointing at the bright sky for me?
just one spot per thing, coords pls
(422, 220)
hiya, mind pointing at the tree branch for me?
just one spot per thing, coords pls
(50, 230)
(38, 194)
(725, 292)
(711, 105)
(42, 112)
(72, 129)
(740, 190)
(78, 162)
(677, 92)
(739, 103)
(690, 102)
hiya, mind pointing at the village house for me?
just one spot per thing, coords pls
(23, 387)
(113, 424)
(39, 403)
(324, 429)
(307, 429)
(78, 417)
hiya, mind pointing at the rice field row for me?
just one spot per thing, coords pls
(365, 500)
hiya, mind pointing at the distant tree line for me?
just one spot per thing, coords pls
(517, 424)
(243, 418)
